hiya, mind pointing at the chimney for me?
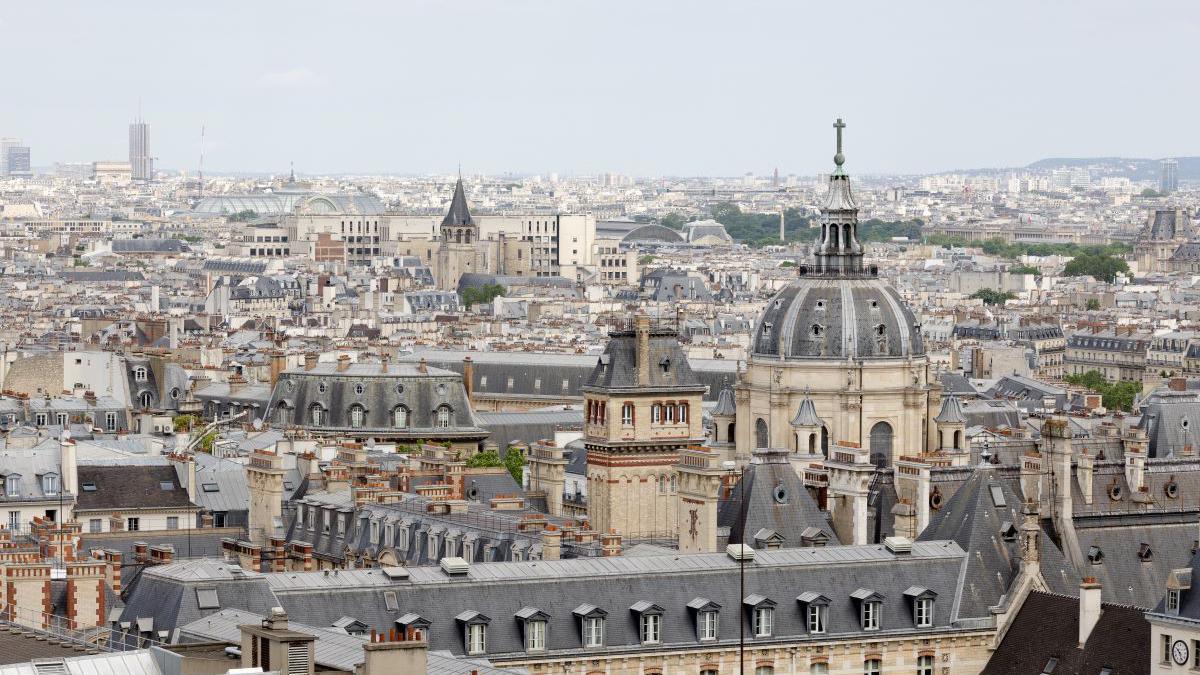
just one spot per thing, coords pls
(1177, 384)
(551, 543)
(383, 363)
(468, 376)
(236, 381)
(610, 544)
(1084, 470)
(641, 329)
(422, 366)
(1135, 469)
(310, 360)
(278, 364)
(396, 651)
(343, 363)
(1089, 608)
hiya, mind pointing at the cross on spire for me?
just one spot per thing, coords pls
(839, 159)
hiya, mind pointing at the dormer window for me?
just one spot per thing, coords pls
(707, 616)
(816, 611)
(649, 622)
(50, 484)
(591, 628)
(139, 374)
(1173, 601)
(870, 607)
(535, 621)
(762, 614)
(12, 485)
(443, 416)
(665, 364)
(357, 415)
(922, 605)
(474, 631)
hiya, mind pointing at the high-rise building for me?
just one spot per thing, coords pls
(1168, 182)
(139, 151)
(14, 158)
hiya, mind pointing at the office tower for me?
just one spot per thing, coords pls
(1168, 182)
(14, 158)
(139, 151)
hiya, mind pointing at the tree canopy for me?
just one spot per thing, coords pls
(1117, 395)
(1100, 266)
(1023, 269)
(991, 296)
(482, 294)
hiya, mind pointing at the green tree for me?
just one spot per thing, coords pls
(787, 263)
(514, 461)
(1023, 269)
(485, 458)
(991, 296)
(1150, 192)
(1117, 395)
(1101, 266)
(761, 229)
(482, 294)
(185, 423)
(243, 216)
(645, 259)
(1093, 304)
(674, 221)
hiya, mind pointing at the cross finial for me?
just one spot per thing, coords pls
(839, 158)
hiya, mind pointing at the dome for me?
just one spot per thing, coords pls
(837, 318)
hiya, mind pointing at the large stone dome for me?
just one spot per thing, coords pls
(836, 318)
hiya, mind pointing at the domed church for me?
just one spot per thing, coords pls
(836, 355)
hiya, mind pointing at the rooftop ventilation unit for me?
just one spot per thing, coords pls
(740, 552)
(898, 545)
(455, 566)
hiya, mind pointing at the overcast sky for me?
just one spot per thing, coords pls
(639, 87)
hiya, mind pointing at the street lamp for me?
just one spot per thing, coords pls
(731, 468)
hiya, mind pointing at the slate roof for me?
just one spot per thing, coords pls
(130, 487)
(951, 412)
(725, 404)
(616, 585)
(1171, 420)
(669, 370)
(806, 415)
(458, 214)
(973, 519)
(775, 500)
(1047, 627)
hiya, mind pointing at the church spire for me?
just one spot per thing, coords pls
(838, 250)
(459, 214)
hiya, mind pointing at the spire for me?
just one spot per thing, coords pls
(806, 415)
(458, 214)
(838, 250)
(951, 412)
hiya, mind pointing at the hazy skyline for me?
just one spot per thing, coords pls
(633, 87)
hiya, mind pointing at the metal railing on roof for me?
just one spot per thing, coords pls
(55, 628)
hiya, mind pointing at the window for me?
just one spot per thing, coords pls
(818, 669)
(816, 618)
(872, 667)
(1173, 601)
(656, 413)
(95, 525)
(923, 612)
(40, 419)
(651, 629)
(50, 484)
(14, 520)
(110, 421)
(870, 615)
(172, 522)
(357, 413)
(669, 413)
(317, 415)
(627, 414)
(476, 638)
(535, 636)
(925, 665)
(683, 413)
(206, 598)
(400, 417)
(1166, 648)
(62, 419)
(12, 486)
(133, 524)
(708, 625)
(764, 618)
(443, 417)
(593, 631)
(139, 374)
(764, 670)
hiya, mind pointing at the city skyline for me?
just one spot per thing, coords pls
(534, 95)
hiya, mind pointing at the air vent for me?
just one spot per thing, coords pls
(455, 566)
(898, 545)
(740, 552)
(398, 573)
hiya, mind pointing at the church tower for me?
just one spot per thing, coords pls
(459, 237)
(643, 407)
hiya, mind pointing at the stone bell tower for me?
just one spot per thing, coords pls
(459, 239)
(643, 407)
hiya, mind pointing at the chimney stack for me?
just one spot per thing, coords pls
(310, 360)
(641, 329)
(343, 363)
(422, 366)
(468, 376)
(1089, 608)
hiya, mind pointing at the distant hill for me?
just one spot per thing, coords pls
(1133, 169)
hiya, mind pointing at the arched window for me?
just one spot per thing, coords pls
(958, 439)
(881, 444)
(316, 414)
(812, 444)
(400, 417)
(761, 435)
(662, 484)
(825, 441)
(145, 399)
(674, 482)
(139, 374)
(443, 416)
(282, 414)
(357, 415)
(729, 436)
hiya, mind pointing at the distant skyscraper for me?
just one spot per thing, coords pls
(14, 158)
(1168, 182)
(139, 151)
